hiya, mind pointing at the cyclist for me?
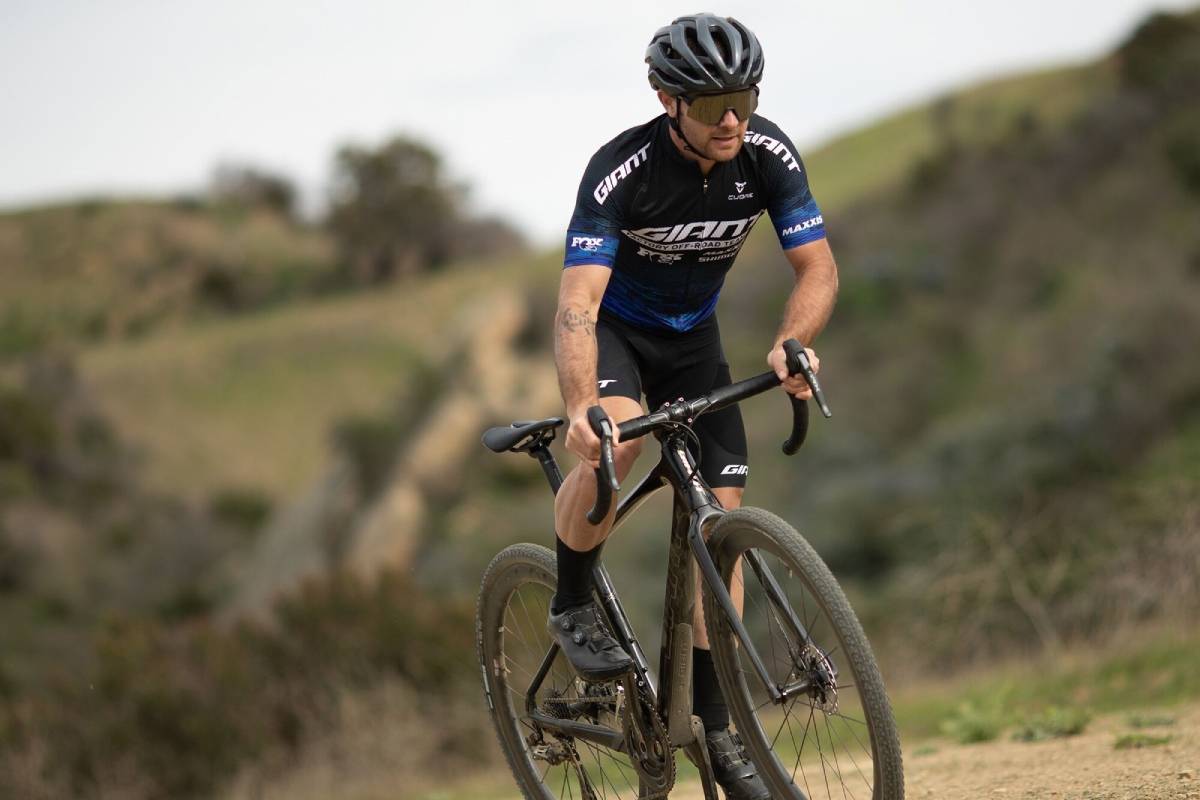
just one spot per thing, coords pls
(661, 213)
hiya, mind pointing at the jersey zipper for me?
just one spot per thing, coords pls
(687, 286)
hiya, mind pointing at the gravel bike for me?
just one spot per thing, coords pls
(797, 672)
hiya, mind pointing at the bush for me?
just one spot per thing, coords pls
(1161, 52)
(1052, 723)
(244, 510)
(1136, 741)
(1182, 150)
(176, 710)
(973, 722)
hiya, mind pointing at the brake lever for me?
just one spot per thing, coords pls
(798, 362)
(606, 473)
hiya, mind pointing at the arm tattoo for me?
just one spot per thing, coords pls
(572, 320)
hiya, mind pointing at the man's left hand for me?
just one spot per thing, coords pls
(793, 385)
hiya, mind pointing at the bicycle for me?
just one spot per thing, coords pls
(795, 666)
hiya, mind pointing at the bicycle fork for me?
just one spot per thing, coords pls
(705, 510)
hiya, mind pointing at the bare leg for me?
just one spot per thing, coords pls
(578, 492)
(731, 498)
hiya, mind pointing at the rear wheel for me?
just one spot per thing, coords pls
(512, 642)
(834, 735)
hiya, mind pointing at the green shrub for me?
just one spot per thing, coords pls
(1160, 51)
(1052, 723)
(245, 510)
(1150, 720)
(182, 707)
(1182, 150)
(1136, 741)
(973, 722)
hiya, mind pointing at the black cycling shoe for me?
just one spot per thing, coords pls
(732, 767)
(588, 645)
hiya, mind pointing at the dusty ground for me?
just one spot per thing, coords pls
(1081, 767)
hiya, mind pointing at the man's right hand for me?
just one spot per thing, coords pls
(583, 441)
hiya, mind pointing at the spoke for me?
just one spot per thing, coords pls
(786, 714)
(599, 752)
(837, 765)
(799, 752)
(529, 619)
(821, 754)
(853, 760)
(520, 639)
(508, 665)
(846, 722)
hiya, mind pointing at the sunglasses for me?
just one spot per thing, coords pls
(710, 108)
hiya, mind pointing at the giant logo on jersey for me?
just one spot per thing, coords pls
(723, 234)
(605, 187)
(773, 146)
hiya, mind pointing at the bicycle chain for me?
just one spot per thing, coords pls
(648, 741)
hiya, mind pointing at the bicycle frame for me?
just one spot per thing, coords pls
(696, 508)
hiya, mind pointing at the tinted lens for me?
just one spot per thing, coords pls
(710, 108)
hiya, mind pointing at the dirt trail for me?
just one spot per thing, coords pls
(1076, 768)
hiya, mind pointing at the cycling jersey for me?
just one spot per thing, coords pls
(670, 233)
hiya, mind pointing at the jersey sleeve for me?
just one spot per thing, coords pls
(794, 212)
(595, 227)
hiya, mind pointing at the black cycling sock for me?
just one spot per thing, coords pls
(707, 701)
(574, 576)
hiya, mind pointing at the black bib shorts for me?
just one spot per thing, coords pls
(668, 365)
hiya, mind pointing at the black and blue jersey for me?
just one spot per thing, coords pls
(669, 233)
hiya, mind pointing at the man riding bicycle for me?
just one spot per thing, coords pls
(662, 211)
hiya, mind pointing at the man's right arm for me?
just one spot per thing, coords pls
(579, 296)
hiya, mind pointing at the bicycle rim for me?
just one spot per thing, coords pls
(513, 641)
(835, 737)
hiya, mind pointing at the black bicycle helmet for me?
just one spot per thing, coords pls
(703, 54)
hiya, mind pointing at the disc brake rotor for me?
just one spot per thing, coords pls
(822, 676)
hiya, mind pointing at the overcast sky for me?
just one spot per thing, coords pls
(146, 97)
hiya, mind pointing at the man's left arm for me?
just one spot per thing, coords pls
(808, 308)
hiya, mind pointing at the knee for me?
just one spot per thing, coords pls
(626, 453)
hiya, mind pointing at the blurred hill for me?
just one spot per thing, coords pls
(1014, 464)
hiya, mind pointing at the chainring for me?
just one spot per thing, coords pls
(647, 740)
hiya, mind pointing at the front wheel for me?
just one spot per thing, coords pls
(834, 735)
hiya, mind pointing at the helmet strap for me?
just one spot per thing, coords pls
(679, 130)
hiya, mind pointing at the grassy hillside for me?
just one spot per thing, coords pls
(208, 399)
(1012, 465)
(880, 156)
(253, 400)
(99, 270)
